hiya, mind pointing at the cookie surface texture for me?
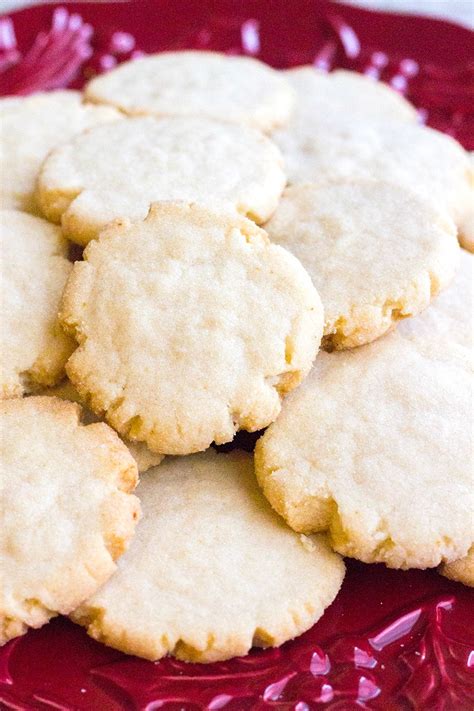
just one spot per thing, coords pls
(31, 127)
(325, 96)
(393, 482)
(34, 270)
(375, 252)
(450, 316)
(139, 451)
(466, 227)
(212, 570)
(87, 182)
(191, 325)
(203, 84)
(67, 511)
(426, 161)
(461, 570)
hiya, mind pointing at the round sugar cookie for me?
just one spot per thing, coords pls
(139, 451)
(204, 84)
(191, 326)
(375, 252)
(34, 270)
(423, 159)
(450, 316)
(30, 127)
(466, 228)
(212, 571)
(67, 512)
(119, 170)
(461, 570)
(322, 95)
(374, 448)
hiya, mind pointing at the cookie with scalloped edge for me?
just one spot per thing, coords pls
(450, 316)
(203, 84)
(323, 95)
(212, 571)
(375, 252)
(67, 510)
(374, 448)
(31, 127)
(466, 228)
(429, 162)
(87, 182)
(461, 570)
(190, 325)
(34, 271)
(139, 451)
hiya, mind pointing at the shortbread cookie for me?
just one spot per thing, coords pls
(374, 447)
(376, 253)
(323, 96)
(427, 161)
(191, 326)
(461, 570)
(67, 513)
(212, 570)
(203, 84)
(30, 127)
(34, 270)
(451, 315)
(466, 228)
(139, 451)
(117, 171)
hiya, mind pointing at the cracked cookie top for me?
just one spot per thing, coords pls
(375, 252)
(67, 512)
(118, 170)
(212, 571)
(191, 325)
(376, 448)
(34, 270)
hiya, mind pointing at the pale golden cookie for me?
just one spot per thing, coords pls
(30, 127)
(450, 316)
(89, 181)
(67, 512)
(375, 252)
(461, 570)
(34, 269)
(191, 326)
(374, 448)
(139, 451)
(466, 228)
(203, 84)
(322, 95)
(423, 159)
(212, 571)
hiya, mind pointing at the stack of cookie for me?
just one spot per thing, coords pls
(184, 321)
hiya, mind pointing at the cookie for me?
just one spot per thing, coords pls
(466, 228)
(203, 84)
(190, 325)
(374, 448)
(31, 127)
(450, 316)
(140, 452)
(211, 571)
(87, 182)
(67, 511)
(323, 96)
(423, 159)
(34, 270)
(375, 252)
(461, 570)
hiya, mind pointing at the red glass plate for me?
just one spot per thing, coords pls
(391, 640)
